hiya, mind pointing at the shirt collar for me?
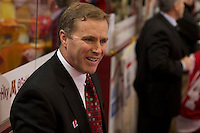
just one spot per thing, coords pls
(170, 19)
(78, 77)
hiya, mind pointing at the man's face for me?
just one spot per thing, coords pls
(87, 46)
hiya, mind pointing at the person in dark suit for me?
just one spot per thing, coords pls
(188, 28)
(52, 100)
(161, 60)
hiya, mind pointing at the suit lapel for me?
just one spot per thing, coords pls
(175, 33)
(76, 104)
(72, 95)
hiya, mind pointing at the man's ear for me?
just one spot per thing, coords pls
(63, 38)
(176, 6)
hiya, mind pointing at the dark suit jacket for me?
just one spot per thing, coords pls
(159, 71)
(189, 30)
(49, 102)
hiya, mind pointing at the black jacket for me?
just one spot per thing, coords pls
(159, 70)
(49, 102)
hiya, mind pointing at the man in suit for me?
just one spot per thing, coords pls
(52, 100)
(161, 61)
(189, 30)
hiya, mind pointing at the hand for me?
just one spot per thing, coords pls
(188, 63)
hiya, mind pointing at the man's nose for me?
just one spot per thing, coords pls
(97, 47)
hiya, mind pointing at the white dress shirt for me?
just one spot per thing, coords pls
(78, 77)
(170, 19)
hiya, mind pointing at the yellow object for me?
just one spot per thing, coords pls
(7, 9)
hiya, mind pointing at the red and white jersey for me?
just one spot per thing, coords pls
(190, 107)
(189, 119)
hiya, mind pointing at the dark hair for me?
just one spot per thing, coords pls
(79, 11)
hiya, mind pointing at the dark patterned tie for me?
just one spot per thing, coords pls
(93, 106)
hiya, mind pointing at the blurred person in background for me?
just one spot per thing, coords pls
(162, 59)
(189, 32)
(189, 119)
(188, 28)
(56, 7)
(53, 98)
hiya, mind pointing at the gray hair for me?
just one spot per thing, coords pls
(166, 5)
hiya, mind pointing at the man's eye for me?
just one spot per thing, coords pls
(88, 40)
(103, 41)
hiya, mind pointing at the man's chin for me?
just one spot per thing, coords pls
(91, 71)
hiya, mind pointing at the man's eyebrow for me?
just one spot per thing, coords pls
(106, 38)
(89, 36)
(95, 38)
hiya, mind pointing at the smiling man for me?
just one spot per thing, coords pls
(54, 99)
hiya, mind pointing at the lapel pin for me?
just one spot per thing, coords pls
(75, 123)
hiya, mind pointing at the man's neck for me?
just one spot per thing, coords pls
(172, 14)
